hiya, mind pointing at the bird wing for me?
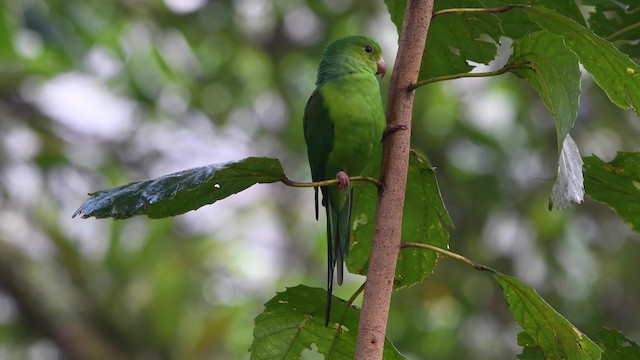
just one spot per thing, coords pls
(318, 133)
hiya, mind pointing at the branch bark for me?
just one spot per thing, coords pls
(395, 163)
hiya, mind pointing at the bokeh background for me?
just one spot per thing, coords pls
(95, 94)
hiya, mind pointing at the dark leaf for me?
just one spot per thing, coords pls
(293, 321)
(177, 193)
(617, 346)
(424, 221)
(617, 184)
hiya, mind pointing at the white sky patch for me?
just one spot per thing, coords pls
(20, 143)
(303, 26)
(256, 17)
(184, 6)
(384, 32)
(491, 112)
(83, 104)
(102, 62)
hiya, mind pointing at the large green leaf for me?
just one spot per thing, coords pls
(456, 39)
(293, 321)
(424, 221)
(616, 346)
(617, 184)
(546, 330)
(552, 69)
(177, 193)
(612, 70)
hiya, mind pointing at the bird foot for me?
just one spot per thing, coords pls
(391, 129)
(343, 179)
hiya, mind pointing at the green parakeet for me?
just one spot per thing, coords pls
(343, 125)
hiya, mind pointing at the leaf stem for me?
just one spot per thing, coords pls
(292, 183)
(479, 10)
(506, 68)
(613, 36)
(450, 254)
(356, 294)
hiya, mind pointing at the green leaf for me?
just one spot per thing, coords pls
(456, 39)
(180, 192)
(552, 69)
(617, 184)
(617, 346)
(545, 328)
(516, 24)
(553, 72)
(615, 20)
(612, 70)
(423, 221)
(396, 11)
(618, 22)
(294, 320)
(530, 350)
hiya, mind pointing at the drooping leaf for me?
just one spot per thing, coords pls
(183, 191)
(552, 69)
(545, 328)
(424, 221)
(554, 72)
(294, 320)
(617, 184)
(612, 70)
(569, 185)
(616, 346)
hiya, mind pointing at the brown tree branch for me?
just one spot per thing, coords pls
(395, 163)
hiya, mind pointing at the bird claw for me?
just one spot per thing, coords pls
(343, 179)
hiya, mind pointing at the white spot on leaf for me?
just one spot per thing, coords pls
(360, 220)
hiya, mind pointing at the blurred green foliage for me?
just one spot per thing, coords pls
(96, 94)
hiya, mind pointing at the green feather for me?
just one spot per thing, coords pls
(343, 125)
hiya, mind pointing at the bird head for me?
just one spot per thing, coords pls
(351, 54)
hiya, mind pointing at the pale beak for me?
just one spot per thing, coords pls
(382, 67)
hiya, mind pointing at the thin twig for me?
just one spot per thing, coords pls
(613, 36)
(500, 71)
(356, 294)
(448, 253)
(374, 181)
(479, 10)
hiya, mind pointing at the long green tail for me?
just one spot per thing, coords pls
(338, 232)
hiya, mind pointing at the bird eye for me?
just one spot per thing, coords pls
(368, 48)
